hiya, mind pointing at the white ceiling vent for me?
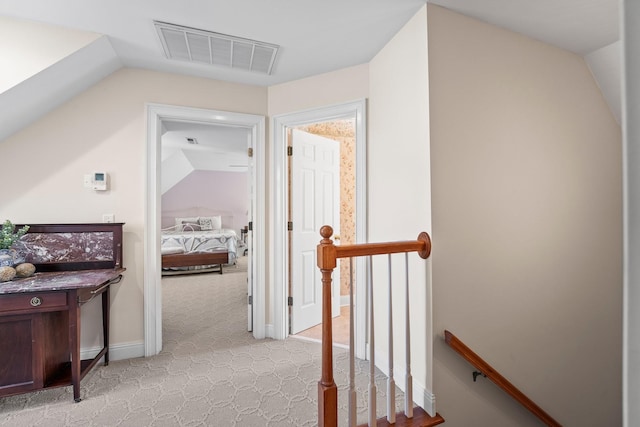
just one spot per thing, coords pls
(190, 44)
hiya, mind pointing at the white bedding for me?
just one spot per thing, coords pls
(177, 242)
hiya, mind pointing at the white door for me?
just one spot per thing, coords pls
(315, 201)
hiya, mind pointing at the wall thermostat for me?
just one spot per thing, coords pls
(99, 181)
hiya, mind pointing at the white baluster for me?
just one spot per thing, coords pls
(408, 398)
(372, 382)
(353, 409)
(391, 384)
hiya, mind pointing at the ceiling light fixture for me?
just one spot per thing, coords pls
(201, 46)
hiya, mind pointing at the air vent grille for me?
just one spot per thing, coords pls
(190, 44)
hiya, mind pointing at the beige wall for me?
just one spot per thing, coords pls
(104, 128)
(527, 227)
(323, 90)
(399, 199)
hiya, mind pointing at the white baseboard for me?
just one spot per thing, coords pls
(116, 351)
(428, 400)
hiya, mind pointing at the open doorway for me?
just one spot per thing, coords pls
(205, 200)
(327, 136)
(352, 114)
(158, 117)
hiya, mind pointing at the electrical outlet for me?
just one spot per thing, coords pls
(108, 218)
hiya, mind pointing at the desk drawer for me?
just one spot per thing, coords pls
(33, 301)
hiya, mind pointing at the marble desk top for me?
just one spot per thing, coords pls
(60, 281)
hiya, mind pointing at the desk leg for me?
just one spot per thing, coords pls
(74, 343)
(105, 323)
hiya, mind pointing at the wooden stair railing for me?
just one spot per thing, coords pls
(328, 253)
(486, 370)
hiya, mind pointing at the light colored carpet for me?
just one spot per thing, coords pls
(211, 372)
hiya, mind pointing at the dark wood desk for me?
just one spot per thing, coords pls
(40, 329)
(40, 315)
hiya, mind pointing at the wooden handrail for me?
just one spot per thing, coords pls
(498, 379)
(328, 253)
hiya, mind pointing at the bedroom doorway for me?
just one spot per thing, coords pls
(160, 119)
(354, 115)
(205, 200)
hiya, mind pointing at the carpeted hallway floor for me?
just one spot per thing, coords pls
(211, 372)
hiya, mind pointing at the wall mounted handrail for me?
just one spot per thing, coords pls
(499, 380)
(327, 257)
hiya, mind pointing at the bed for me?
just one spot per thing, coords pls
(197, 244)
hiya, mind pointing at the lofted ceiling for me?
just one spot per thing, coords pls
(206, 146)
(579, 26)
(314, 37)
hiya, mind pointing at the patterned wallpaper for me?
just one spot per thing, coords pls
(344, 132)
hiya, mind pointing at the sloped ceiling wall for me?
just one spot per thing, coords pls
(174, 169)
(49, 77)
(42, 77)
(605, 65)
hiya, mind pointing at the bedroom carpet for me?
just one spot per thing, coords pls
(211, 372)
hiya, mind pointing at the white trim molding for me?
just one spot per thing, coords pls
(129, 350)
(630, 33)
(156, 114)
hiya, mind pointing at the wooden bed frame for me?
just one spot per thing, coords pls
(217, 258)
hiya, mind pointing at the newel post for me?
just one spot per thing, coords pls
(327, 390)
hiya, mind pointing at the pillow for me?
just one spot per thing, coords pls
(190, 220)
(190, 226)
(170, 250)
(210, 223)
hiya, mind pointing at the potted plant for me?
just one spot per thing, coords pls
(8, 236)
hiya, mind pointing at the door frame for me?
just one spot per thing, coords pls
(156, 114)
(279, 246)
